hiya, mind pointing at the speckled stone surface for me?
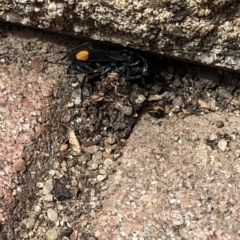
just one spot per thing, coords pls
(204, 31)
(21, 106)
(173, 185)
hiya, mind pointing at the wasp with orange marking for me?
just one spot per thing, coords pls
(85, 59)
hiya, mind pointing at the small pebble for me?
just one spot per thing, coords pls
(108, 162)
(37, 209)
(55, 165)
(97, 234)
(60, 207)
(127, 110)
(156, 97)
(108, 149)
(3, 51)
(119, 106)
(101, 177)
(204, 105)
(31, 222)
(237, 153)
(107, 155)
(64, 147)
(90, 149)
(77, 100)
(222, 144)
(66, 118)
(177, 218)
(102, 171)
(219, 124)
(218, 233)
(176, 109)
(135, 238)
(109, 141)
(48, 187)
(70, 105)
(52, 215)
(140, 99)
(178, 102)
(212, 103)
(172, 201)
(195, 137)
(97, 155)
(213, 137)
(94, 166)
(116, 155)
(52, 234)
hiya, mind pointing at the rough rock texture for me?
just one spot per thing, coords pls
(205, 31)
(173, 185)
(21, 111)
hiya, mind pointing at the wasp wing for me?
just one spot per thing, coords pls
(108, 56)
(95, 55)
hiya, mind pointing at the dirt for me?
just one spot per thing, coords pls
(64, 142)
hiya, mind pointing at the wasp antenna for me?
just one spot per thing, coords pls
(54, 62)
(89, 45)
(64, 56)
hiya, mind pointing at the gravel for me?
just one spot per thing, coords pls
(67, 143)
(222, 144)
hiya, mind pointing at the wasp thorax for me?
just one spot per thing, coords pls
(82, 55)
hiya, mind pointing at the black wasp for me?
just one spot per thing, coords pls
(95, 62)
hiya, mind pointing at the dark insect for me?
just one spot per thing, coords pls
(94, 62)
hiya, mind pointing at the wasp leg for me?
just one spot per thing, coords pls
(101, 71)
(134, 64)
(121, 70)
(145, 67)
(137, 77)
(106, 70)
(75, 68)
(127, 73)
(94, 75)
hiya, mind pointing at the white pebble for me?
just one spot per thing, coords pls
(102, 171)
(109, 141)
(30, 222)
(37, 209)
(52, 215)
(222, 144)
(140, 99)
(101, 177)
(94, 166)
(52, 234)
(47, 187)
(48, 197)
(77, 100)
